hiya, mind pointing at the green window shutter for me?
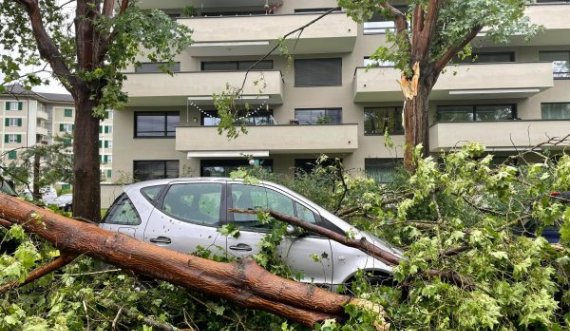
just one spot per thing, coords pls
(20, 105)
(100, 129)
(7, 105)
(12, 155)
(106, 143)
(61, 129)
(6, 138)
(68, 112)
(106, 129)
(6, 122)
(19, 122)
(100, 144)
(18, 138)
(109, 173)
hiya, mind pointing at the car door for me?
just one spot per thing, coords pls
(123, 217)
(308, 255)
(188, 217)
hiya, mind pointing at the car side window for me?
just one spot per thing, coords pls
(151, 192)
(198, 203)
(247, 197)
(123, 212)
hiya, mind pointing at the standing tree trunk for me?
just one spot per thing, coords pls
(86, 202)
(36, 182)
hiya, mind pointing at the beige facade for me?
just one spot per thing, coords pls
(508, 88)
(29, 118)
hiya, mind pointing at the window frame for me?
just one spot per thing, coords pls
(299, 83)
(8, 103)
(165, 169)
(558, 75)
(165, 132)
(325, 109)
(67, 112)
(542, 104)
(113, 208)
(398, 111)
(474, 113)
(237, 66)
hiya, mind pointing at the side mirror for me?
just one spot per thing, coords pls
(292, 230)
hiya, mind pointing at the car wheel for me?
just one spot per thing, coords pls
(67, 208)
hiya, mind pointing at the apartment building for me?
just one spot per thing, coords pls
(326, 100)
(29, 118)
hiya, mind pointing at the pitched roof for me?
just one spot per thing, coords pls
(18, 90)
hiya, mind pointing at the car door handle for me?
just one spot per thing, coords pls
(241, 247)
(160, 240)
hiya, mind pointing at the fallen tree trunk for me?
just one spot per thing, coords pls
(242, 282)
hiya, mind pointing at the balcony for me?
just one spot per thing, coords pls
(42, 131)
(481, 81)
(40, 114)
(271, 139)
(256, 35)
(553, 17)
(507, 135)
(160, 89)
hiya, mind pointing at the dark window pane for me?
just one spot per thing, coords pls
(560, 62)
(495, 57)
(223, 168)
(318, 72)
(319, 116)
(263, 65)
(156, 124)
(122, 212)
(381, 170)
(158, 67)
(555, 111)
(146, 170)
(382, 119)
(219, 66)
(494, 113)
(151, 192)
(455, 113)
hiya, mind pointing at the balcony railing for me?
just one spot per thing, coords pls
(147, 89)
(484, 80)
(275, 139)
(505, 135)
(257, 34)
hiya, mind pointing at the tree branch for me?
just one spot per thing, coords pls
(47, 48)
(362, 244)
(453, 50)
(58, 263)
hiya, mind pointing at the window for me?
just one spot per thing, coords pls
(489, 57)
(13, 138)
(194, 203)
(369, 62)
(109, 174)
(381, 170)
(210, 118)
(145, 170)
(106, 159)
(105, 144)
(66, 128)
(122, 212)
(67, 112)
(223, 168)
(318, 72)
(156, 124)
(14, 105)
(307, 166)
(236, 65)
(381, 119)
(151, 192)
(13, 122)
(478, 113)
(560, 62)
(151, 67)
(66, 142)
(555, 111)
(316, 10)
(257, 197)
(314, 116)
(379, 24)
(12, 155)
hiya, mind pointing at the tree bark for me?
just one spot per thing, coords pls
(242, 282)
(86, 202)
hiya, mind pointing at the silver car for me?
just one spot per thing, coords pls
(183, 214)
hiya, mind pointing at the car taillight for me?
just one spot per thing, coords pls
(555, 194)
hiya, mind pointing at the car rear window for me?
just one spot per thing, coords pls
(122, 212)
(151, 192)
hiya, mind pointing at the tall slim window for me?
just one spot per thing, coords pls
(156, 124)
(66, 128)
(560, 62)
(155, 169)
(555, 111)
(14, 105)
(378, 120)
(477, 113)
(318, 72)
(67, 112)
(312, 116)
